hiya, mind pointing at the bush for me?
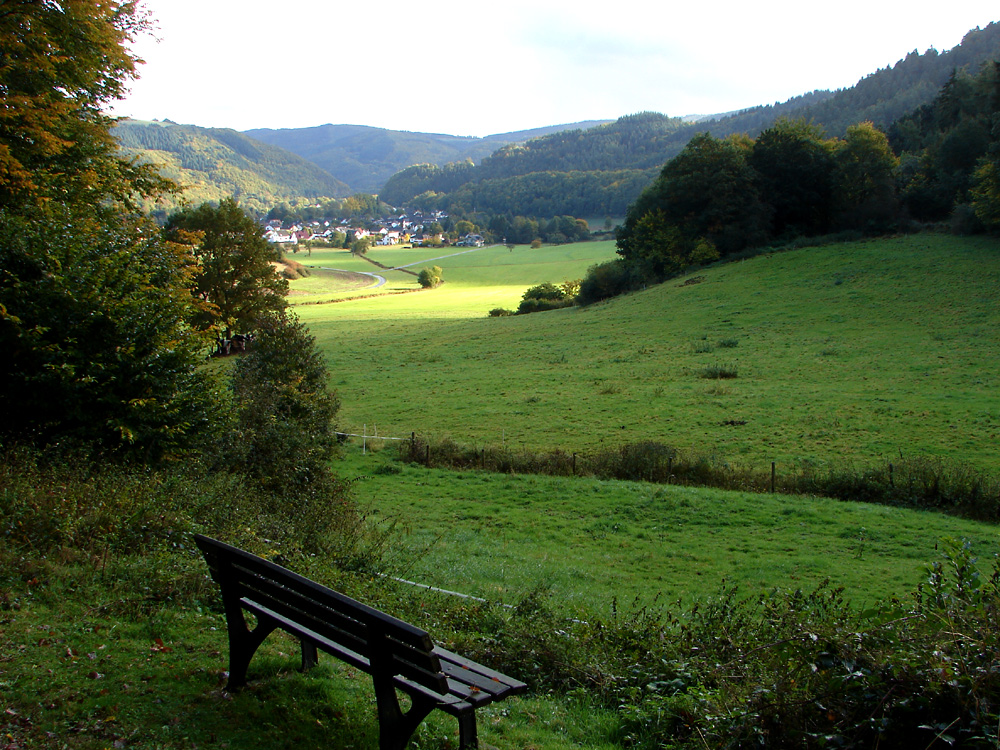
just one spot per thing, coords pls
(607, 280)
(719, 372)
(949, 488)
(430, 277)
(543, 297)
(500, 312)
(541, 305)
(292, 269)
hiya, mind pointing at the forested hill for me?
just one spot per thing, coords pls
(365, 157)
(881, 97)
(597, 171)
(212, 164)
(602, 170)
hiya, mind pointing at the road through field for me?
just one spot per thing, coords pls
(442, 257)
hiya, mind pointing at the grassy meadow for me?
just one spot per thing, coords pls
(588, 543)
(856, 353)
(845, 355)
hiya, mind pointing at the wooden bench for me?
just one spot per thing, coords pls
(396, 654)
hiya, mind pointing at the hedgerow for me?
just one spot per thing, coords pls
(930, 484)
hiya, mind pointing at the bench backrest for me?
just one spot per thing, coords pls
(378, 642)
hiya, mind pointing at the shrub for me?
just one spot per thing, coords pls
(430, 277)
(292, 269)
(500, 312)
(543, 297)
(282, 432)
(606, 280)
(541, 305)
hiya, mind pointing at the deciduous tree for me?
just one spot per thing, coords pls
(866, 179)
(60, 63)
(95, 334)
(430, 277)
(796, 175)
(94, 306)
(235, 275)
(705, 198)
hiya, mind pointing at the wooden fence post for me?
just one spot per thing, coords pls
(772, 477)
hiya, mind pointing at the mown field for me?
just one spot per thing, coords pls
(855, 353)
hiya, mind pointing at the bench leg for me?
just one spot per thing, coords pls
(309, 657)
(395, 727)
(243, 642)
(467, 735)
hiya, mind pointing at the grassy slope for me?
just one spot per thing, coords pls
(586, 542)
(847, 353)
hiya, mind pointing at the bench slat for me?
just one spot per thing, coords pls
(332, 623)
(422, 667)
(477, 682)
(451, 658)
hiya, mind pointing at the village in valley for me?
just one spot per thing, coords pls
(415, 229)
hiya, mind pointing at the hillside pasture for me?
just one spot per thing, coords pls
(850, 354)
(588, 543)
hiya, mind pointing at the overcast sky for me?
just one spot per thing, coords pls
(474, 68)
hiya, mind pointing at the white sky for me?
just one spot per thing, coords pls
(473, 68)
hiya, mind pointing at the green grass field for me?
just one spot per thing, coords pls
(845, 355)
(855, 353)
(587, 542)
(476, 279)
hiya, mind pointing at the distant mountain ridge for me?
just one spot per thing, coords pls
(214, 163)
(365, 157)
(881, 97)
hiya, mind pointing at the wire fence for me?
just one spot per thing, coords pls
(365, 437)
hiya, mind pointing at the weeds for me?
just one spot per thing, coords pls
(719, 372)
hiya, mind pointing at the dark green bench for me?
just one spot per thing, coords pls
(397, 655)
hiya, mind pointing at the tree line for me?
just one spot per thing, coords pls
(593, 172)
(603, 170)
(722, 196)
